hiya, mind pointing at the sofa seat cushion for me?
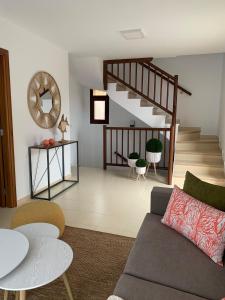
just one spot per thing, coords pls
(162, 255)
(132, 288)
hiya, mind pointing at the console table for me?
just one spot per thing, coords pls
(53, 189)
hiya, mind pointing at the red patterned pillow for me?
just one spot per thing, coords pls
(197, 221)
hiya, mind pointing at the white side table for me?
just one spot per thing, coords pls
(47, 259)
(13, 249)
(33, 230)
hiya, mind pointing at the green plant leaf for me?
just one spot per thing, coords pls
(154, 145)
(141, 163)
(134, 155)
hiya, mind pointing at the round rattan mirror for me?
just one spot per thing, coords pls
(44, 100)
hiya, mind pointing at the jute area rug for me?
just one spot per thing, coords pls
(99, 259)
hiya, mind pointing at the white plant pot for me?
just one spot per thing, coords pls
(153, 157)
(132, 162)
(141, 171)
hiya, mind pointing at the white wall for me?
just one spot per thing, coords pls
(222, 112)
(201, 75)
(76, 104)
(88, 70)
(29, 54)
(76, 108)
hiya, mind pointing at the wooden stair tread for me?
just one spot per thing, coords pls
(199, 152)
(203, 141)
(213, 180)
(189, 129)
(199, 164)
(180, 174)
(211, 137)
(146, 105)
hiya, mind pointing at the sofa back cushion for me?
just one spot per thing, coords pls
(160, 197)
(208, 193)
(197, 221)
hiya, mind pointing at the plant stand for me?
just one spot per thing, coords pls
(139, 176)
(154, 165)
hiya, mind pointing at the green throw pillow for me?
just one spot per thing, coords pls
(208, 193)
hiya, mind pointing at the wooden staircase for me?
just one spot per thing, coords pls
(150, 93)
(199, 154)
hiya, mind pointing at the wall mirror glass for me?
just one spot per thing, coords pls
(46, 101)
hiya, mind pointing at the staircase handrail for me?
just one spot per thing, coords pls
(165, 75)
(129, 60)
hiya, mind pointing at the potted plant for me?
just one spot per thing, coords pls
(154, 151)
(141, 165)
(133, 157)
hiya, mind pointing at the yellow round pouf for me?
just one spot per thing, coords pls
(41, 211)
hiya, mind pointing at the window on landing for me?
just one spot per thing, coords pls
(99, 107)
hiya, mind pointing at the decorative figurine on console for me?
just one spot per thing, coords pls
(62, 127)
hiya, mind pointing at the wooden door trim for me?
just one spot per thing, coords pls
(7, 124)
(2, 182)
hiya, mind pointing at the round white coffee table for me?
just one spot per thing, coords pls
(39, 229)
(47, 259)
(13, 249)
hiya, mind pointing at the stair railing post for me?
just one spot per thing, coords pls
(104, 147)
(105, 75)
(173, 132)
(174, 117)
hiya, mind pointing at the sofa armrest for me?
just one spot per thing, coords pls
(160, 197)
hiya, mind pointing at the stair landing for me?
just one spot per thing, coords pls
(199, 154)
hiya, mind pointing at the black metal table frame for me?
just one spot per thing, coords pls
(32, 193)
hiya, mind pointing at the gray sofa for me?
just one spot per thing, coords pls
(165, 265)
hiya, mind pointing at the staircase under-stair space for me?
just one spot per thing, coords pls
(199, 154)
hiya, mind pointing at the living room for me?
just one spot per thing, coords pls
(94, 189)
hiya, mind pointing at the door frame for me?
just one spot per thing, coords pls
(7, 138)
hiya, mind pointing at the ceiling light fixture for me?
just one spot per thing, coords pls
(132, 34)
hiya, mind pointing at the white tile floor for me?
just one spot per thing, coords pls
(106, 201)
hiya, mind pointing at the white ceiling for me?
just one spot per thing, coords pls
(91, 27)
